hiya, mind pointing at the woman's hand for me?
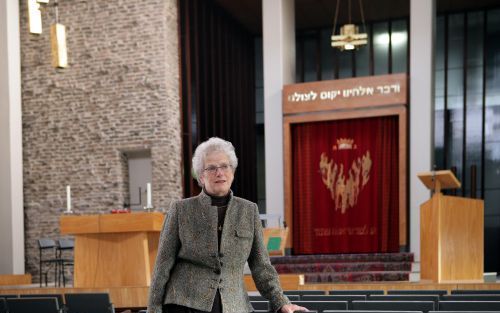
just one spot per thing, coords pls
(290, 308)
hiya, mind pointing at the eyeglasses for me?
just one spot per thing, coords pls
(212, 169)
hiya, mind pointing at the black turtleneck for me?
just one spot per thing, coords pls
(221, 204)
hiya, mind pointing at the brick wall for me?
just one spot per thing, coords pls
(120, 93)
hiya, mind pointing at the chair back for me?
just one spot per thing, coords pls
(438, 292)
(321, 306)
(261, 298)
(434, 298)
(43, 245)
(260, 305)
(303, 292)
(468, 311)
(469, 305)
(348, 298)
(470, 297)
(424, 306)
(31, 305)
(257, 298)
(3, 305)
(46, 243)
(477, 292)
(378, 311)
(88, 303)
(356, 292)
(65, 244)
(294, 297)
(59, 297)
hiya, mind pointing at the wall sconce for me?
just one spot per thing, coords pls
(57, 31)
(349, 38)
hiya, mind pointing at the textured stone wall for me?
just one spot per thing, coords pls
(119, 93)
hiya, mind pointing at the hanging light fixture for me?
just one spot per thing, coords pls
(35, 15)
(58, 42)
(57, 31)
(350, 38)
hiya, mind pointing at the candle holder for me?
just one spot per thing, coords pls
(149, 209)
(66, 212)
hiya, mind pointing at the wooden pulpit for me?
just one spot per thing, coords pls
(451, 233)
(113, 250)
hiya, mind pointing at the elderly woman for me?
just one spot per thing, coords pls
(206, 241)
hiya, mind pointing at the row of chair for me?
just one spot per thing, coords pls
(373, 311)
(51, 254)
(406, 297)
(396, 300)
(57, 303)
(421, 306)
(439, 292)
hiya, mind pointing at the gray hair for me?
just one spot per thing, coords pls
(213, 144)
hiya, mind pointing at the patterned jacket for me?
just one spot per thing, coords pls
(189, 269)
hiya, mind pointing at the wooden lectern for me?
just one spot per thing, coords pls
(275, 240)
(113, 250)
(451, 233)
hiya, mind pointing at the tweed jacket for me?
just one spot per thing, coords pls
(189, 269)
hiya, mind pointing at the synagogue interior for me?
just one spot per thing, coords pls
(365, 135)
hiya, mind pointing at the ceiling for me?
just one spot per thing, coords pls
(320, 13)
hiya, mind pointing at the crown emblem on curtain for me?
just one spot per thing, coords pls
(344, 144)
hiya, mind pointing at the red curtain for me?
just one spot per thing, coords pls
(346, 186)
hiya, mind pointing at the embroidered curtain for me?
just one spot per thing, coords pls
(346, 186)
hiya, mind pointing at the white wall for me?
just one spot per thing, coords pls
(11, 166)
(279, 69)
(422, 39)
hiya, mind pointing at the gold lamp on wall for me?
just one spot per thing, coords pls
(57, 31)
(349, 38)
